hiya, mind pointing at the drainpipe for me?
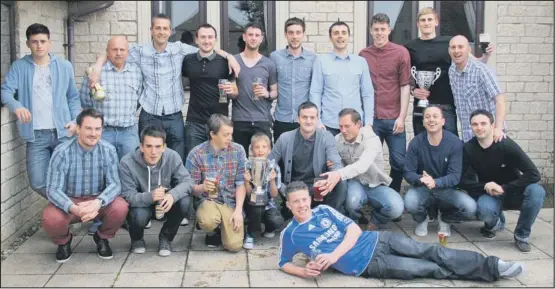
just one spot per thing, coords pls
(11, 28)
(75, 13)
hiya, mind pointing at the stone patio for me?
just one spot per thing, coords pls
(194, 265)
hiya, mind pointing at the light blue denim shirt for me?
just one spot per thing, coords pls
(294, 74)
(339, 83)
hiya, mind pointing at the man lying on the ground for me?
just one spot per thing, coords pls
(333, 240)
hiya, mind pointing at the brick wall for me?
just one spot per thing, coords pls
(525, 70)
(20, 206)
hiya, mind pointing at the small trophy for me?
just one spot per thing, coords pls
(97, 93)
(425, 79)
(260, 169)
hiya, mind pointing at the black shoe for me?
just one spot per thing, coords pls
(397, 219)
(103, 249)
(125, 226)
(524, 247)
(214, 240)
(488, 234)
(64, 251)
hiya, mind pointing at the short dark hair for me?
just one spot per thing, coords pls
(153, 131)
(91, 112)
(206, 25)
(482, 112)
(295, 186)
(430, 106)
(253, 25)
(306, 105)
(216, 122)
(35, 29)
(339, 23)
(355, 116)
(187, 37)
(380, 18)
(294, 21)
(159, 16)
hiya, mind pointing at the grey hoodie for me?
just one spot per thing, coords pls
(138, 180)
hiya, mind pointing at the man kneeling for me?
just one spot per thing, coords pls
(333, 240)
(154, 175)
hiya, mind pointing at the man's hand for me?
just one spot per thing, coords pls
(227, 87)
(237, 220)
(158, 194)
(167, 202)
(208, 186)
(71, 128)
(428, 180)
(493, 189)
(311, 269)
(23, 115)
(247, 176)
(329, 164)
(261, 91)
(89, 209)
(325, 261)
(94, 78)
(273, 175)
(421, 93)
(498, 134)
(490, 49)
(233, 65)
(399, 125)
(76, 210)
(332, 180)
(89, 217)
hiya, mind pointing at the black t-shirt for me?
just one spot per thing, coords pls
(428, 55)
(303, 151)
(204, 75)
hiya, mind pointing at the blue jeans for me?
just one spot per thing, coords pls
(124, 139)
(400, 257)
(450, 122)
(39, 153)
(397, 145)
(173, 126)
(490, 211)
(386, 203)
(455, 206)
(195, 134)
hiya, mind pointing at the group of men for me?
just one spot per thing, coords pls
(332, 116)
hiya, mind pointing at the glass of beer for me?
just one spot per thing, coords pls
(223, 95)
(484, 41)
(256, 81)
(317, 189)
(442, 239)
(213, 178)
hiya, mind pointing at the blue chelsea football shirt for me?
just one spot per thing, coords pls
(325, 231)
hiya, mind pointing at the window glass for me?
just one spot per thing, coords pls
(239, 13)
(401, 16)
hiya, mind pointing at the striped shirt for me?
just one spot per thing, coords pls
(163, 90)
(228, 164)
(76, 172)
(475, 87)
(122, 94)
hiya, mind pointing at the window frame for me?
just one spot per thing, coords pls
(480, 18)
(370, 12)
(270, 25)
(155, 10)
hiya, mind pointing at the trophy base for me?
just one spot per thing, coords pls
(422, 103)
(258, 200)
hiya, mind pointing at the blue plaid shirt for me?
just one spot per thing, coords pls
(229, 164)
(475, 87)
(75, 172)
(271, 203)
(122, 94)
(163, 90)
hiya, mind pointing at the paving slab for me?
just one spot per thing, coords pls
(540, 229)
(544, 244)
(151, 262)
(216, 279)
(120, 243)
(537, 272)
(267, 243)
(464, 246)
(40, 242)
(473, 234)
(420, 282)
(546, 215)
(197, 243)
(25, 264)
(24, 280)
(508, 251)
(432, 236)
(277, 278)
(216, 261)
(82, 280)
(158, 279)
(513, 282)
(336, 279)
(90, 263)
(262, 259)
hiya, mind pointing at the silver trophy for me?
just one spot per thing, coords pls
(425, 79)
(260, 169)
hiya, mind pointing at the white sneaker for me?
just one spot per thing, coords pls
(269, 234)
(184, 222)
(421, 228)
(148, 225)
(249, 243)
(444, 228)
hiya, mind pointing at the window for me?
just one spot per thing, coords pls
(185, 17)
(461, 17)
(402, 15)
(236, 14)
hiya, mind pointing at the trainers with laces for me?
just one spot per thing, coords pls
(444, 228)
(103, 249)
(164, 247)
(94, 226)
(64, 251)
(509, 269)
(213, 240)
(488, 234)
(269, 234)
(421, 228)
(249, 243)
(138, 247)
(148, 225)
(184, 222)
(524, 247)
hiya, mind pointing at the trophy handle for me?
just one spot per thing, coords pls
(438, 73)
(413, 72)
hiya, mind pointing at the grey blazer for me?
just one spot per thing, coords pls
(324, 149)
